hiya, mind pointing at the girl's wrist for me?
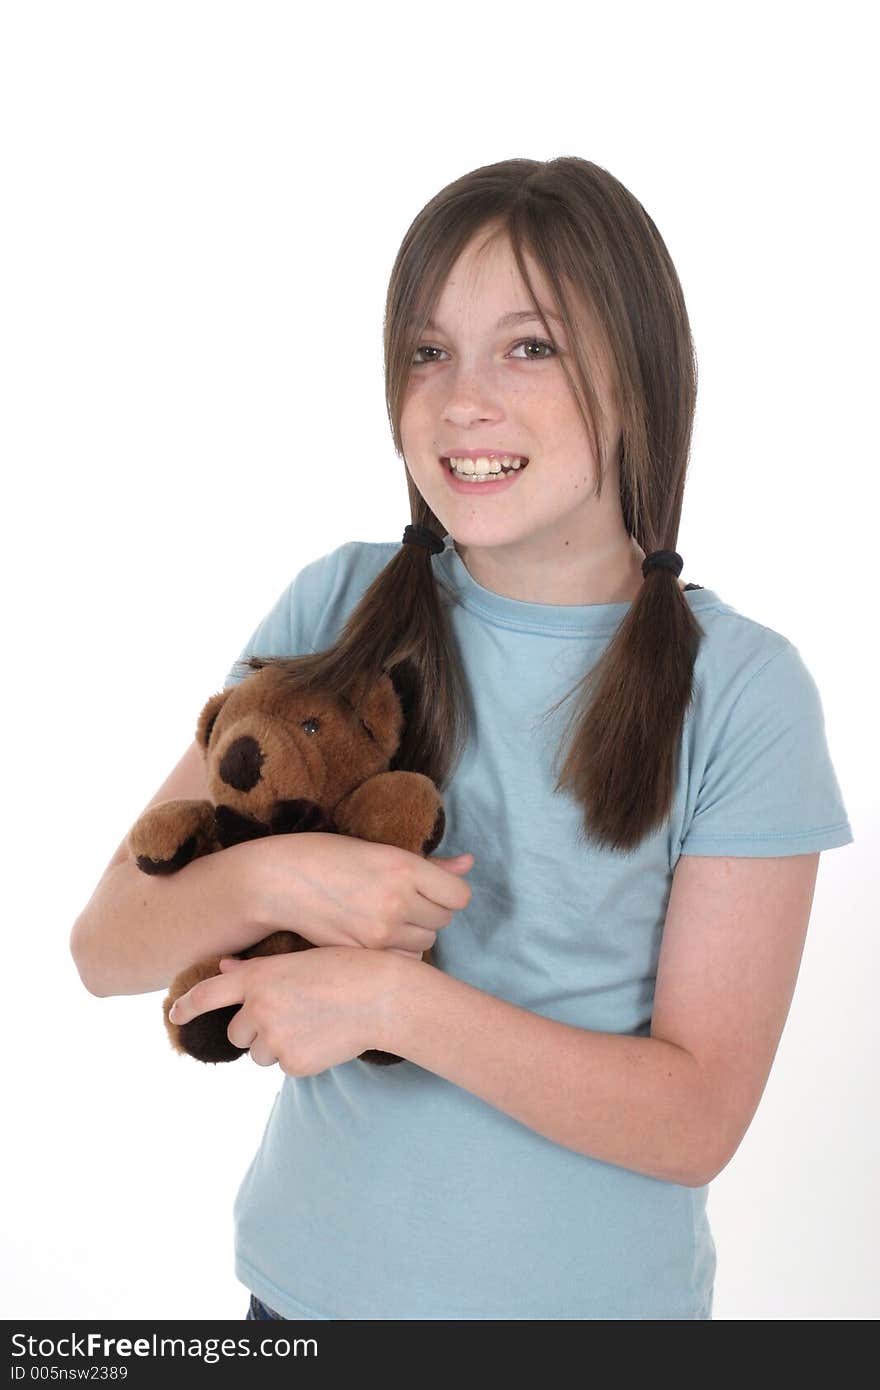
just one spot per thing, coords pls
(399, 980)
(254, 886)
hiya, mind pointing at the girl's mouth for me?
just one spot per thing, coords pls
(499, 481)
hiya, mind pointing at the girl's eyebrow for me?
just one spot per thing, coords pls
(515, 316)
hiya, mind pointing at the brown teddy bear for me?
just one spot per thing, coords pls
(282, 761)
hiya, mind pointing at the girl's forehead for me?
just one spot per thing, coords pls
(487, 269)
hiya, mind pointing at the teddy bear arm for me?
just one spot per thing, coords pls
(394, 808)
(171, 834)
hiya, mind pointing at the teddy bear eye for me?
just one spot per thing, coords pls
(311, 726)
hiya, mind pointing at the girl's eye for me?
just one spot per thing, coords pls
(536, 342)
(525, 342)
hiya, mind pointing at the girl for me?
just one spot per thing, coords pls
(607, 989)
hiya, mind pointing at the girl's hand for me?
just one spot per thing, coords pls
(306, 1011)
(336, 890)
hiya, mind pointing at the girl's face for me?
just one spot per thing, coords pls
(480, 383)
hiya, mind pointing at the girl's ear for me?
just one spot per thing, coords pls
(209, 715)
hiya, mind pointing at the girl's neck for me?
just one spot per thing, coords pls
(612, 577)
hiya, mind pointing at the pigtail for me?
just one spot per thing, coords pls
(400, 628)
(619, 751)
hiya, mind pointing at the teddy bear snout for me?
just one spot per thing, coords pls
(241, 763)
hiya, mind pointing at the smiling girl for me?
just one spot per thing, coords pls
(593, 1033)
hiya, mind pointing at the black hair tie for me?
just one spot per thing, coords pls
(662, 559)
(423, 535)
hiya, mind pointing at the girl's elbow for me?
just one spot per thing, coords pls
(715, 1158)
(80, 954)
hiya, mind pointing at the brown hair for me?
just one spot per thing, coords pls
(608, 267)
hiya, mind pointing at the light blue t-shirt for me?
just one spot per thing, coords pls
(389, 1192)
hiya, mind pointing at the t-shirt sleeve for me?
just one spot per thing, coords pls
(768, 785)
(292, 623)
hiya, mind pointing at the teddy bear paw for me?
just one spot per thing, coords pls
(167, 836)
(204, 1037)
(438, 830)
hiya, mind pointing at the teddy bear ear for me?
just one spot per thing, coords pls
(381, 712)
(208, 716)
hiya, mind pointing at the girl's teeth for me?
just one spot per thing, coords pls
(483, 467)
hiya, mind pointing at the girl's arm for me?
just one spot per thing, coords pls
(675, 1105)
(138, 930)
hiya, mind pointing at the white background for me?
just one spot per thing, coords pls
(202, 205)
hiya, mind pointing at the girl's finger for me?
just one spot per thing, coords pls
(214, 997)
